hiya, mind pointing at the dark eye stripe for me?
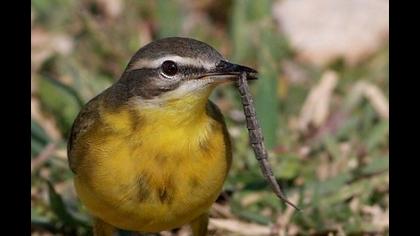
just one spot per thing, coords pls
(183, 70)
(189, 70)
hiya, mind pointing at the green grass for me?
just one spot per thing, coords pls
(338, 173)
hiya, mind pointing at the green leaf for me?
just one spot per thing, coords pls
(61, 101)
(266, 101)
(250, 215)
(60, 210)
(169, 18)
(288, 167)
(349, 128)
(377, 165)
(378, 135)
(273, 201)
(38, 133)
(87, 82)
(240, 30)
(50, 12)
(332, 184)
(38, 218)
(361, 187)
(36, 147)
(332, 147)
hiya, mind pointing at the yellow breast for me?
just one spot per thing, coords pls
(151, 170)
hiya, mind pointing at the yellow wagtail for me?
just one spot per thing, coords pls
(151, 152)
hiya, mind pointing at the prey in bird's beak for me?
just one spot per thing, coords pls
(227, 71)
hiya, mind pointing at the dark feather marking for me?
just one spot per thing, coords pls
(214, 112)
(143, 185)
(143, 83)
(136, 120)
(193, 183)
(166, 191)
(163, 195)
(161, 159)
(127, 190)
(204, 145)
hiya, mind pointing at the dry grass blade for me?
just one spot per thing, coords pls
(239, 227)
(316, 108)
(48, 124)
(256, 137)
(43, 156)
(221, 211)
(373, 94)
(283, 225)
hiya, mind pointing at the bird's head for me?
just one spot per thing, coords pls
(176, 68)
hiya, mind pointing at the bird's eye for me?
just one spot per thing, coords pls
(169, 68)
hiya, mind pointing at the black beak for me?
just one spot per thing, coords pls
(227, 68)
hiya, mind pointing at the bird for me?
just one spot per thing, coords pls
(151, 152)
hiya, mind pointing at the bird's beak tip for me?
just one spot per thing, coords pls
(225, 67)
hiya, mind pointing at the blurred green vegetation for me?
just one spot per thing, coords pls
(337, 171)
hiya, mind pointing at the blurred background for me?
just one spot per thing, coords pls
(322, 99)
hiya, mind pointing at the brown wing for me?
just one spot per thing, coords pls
(214, 112)
(89, 117)
(84, 121)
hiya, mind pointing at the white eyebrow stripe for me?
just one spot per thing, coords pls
(155, 63)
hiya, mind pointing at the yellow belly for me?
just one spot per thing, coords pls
(152, 177)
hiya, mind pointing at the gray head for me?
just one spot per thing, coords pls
(174, 67)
